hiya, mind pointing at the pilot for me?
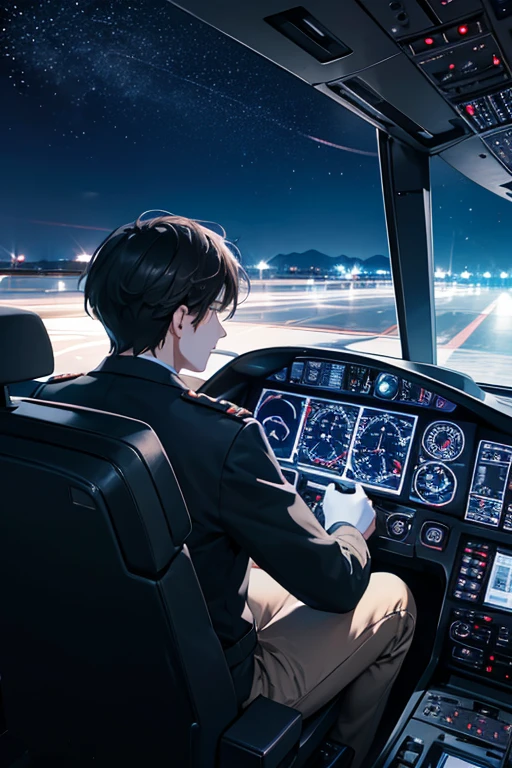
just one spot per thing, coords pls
(310, 621)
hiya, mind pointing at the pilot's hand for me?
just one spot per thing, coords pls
(354, 508)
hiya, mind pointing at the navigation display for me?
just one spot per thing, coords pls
(499, 588)
(489, 481)
(281, 416)
(368, 445)
(327, 433)
(381, 448)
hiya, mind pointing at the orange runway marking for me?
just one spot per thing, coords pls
(466, 332)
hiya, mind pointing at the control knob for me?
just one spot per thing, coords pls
(459, 630)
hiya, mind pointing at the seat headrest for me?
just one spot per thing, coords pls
(25, 347)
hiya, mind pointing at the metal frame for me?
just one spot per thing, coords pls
(405, 176)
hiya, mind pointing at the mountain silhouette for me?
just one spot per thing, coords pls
(314, 259)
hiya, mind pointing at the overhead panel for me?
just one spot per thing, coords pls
(287, 33)
(435, 74)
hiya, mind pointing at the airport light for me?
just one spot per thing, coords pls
(261, 266)
(487, 275)
(84, 258)
(382, 272)
(355, 271)
(465, 275)
(340, 268)
(503, 275)
(440, 274)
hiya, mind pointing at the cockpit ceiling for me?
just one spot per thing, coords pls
(433, 73)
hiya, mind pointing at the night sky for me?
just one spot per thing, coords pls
(109, 109)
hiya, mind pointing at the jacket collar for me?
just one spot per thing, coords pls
(139, 368)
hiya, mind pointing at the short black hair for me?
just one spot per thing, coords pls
(140, 275)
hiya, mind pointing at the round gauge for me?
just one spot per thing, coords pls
(443, 440)
(280, 415)
(435, 484)
(386, 386)
(327, 433)
(380, 450)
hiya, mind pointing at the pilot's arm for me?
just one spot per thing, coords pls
(267, 517)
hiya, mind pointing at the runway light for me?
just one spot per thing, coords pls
(20, 258)
(503, 275)
(465, 275)
(262, 265)
(487, 275)
(84, 257)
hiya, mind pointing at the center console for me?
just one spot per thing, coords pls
(451, 730)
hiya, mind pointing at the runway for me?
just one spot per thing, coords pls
(473, 324)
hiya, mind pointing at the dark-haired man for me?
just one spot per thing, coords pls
(311, 622)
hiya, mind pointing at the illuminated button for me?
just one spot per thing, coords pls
(462, 29)
(496, 61)
(429, 41)
(434, 535)
(471, 112)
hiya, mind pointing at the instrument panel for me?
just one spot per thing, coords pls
(363, 444)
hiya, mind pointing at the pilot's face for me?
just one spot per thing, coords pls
(196, 344)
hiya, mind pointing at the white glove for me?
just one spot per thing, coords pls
(354, 508)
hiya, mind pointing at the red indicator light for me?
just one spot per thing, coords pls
(477, 626)
(487, 618)
(462, 30)
(469, 726)
(496, 61)
(452, 66)
(488, 669)
(470, 110)
(429, 41)
(479, 731)
(491, 658)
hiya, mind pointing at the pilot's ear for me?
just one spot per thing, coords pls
(176, 325)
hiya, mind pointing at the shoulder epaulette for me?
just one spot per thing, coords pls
(63, 377)
(230, 409)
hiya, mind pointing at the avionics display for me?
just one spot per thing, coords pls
(327, 433)
(381, 448)
(367, 445)
(489, 481)
(499, 587)
(281, 415)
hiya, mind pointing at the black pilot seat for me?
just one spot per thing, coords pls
(107, 652)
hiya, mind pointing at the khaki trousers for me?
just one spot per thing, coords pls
(304, 657)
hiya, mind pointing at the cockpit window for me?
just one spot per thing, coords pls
(473, 277)
(109, 109)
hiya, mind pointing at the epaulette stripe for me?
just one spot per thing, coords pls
(218, 405)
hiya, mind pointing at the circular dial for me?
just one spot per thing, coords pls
(435, 484)
(327, 432)
(380, 450)
(386, 386)
(280, 417)
(444, 440)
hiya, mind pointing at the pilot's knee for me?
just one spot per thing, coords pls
(396, 595)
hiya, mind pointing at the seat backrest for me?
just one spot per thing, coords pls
(107, 652)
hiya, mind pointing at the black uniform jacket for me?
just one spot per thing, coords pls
(239, 502)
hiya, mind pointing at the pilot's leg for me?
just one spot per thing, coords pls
(305, 657)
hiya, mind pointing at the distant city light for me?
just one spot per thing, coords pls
(440, 274)
(487, 275)
(262, 265)
(465, 275)
(20, 258)
(503, 275)
(84, 257)
(340, 268)
(382, 272)
(355, 270)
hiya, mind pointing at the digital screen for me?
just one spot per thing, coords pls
(451, 761)
(327, 433)
(499, 588)
(281, 416)
(489, 481)
(319, 373)
(380, 449)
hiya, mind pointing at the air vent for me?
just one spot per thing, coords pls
(299, 26)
